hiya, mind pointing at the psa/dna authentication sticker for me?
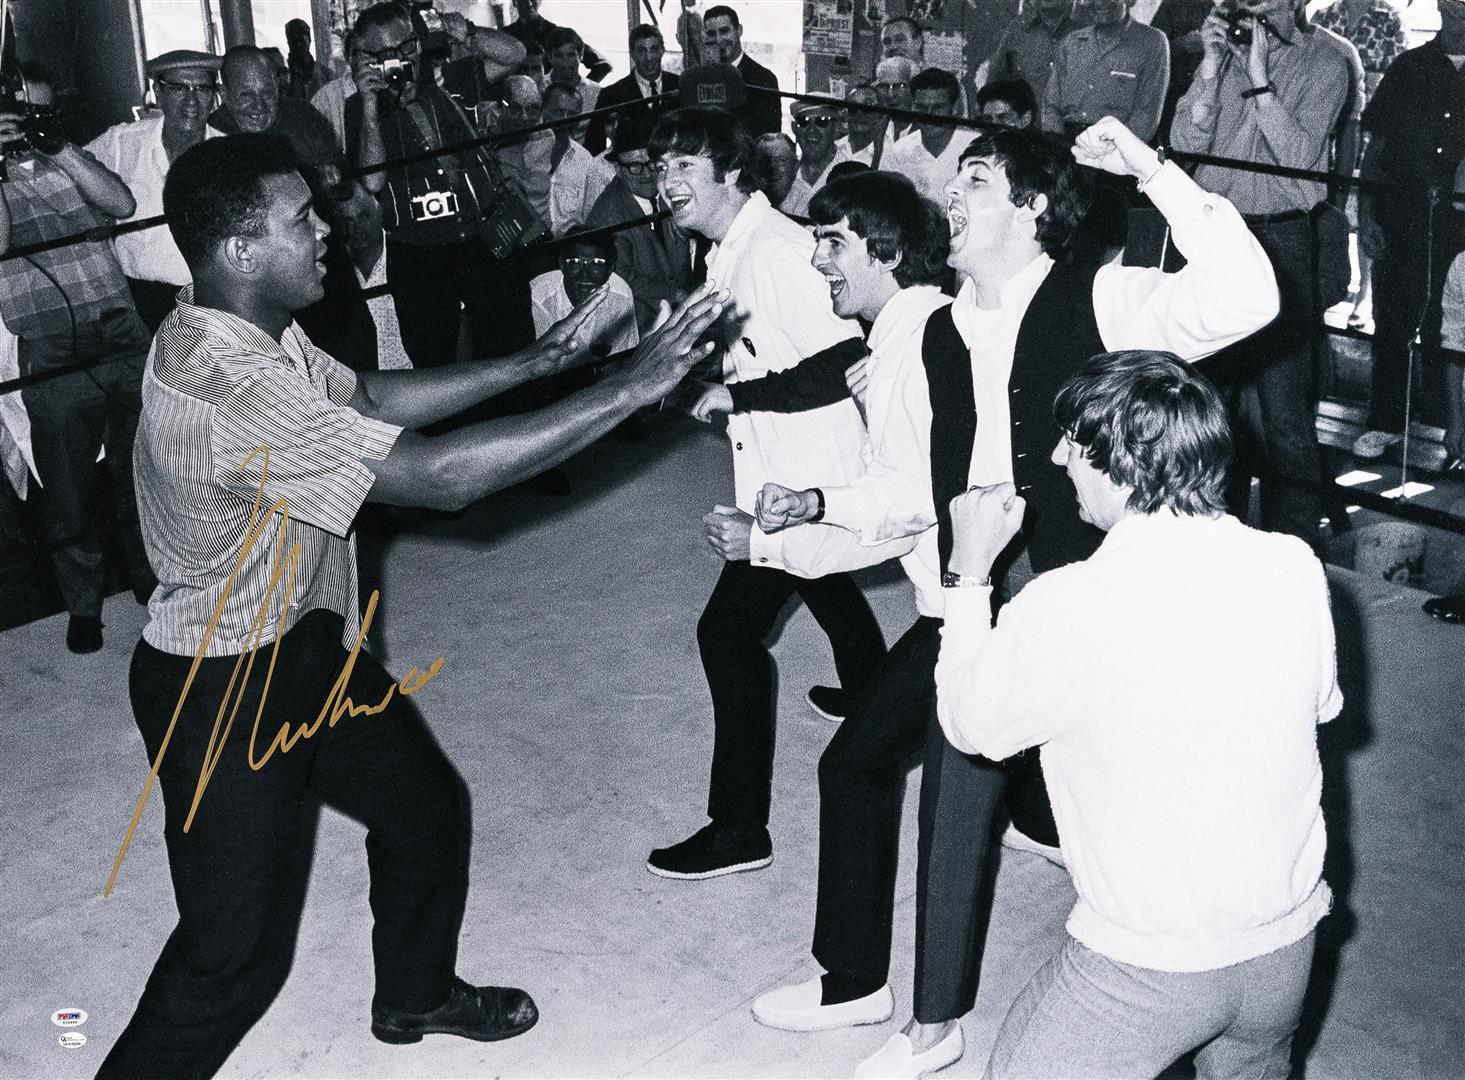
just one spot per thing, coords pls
(68, 1017)
(71, 1040)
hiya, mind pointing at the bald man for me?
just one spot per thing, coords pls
(253, 105)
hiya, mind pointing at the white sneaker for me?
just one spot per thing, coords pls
(797, 1008)
(1373, 444)
(897, 1058)
(1021, 841)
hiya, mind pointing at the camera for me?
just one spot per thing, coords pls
(1238, 27)
(397, 73)
(434, 205)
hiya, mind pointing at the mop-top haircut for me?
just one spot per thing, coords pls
(216, 190)
(1152, 423)
(710, 133)
(887, 211)
(1036, 164)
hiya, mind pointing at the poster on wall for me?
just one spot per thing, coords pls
(829, 27)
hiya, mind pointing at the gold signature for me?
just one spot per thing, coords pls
(337, 705)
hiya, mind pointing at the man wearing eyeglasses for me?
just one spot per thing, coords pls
(655, 260)
(587, 263)
(185, 84)
(816, 127)
(893, 77)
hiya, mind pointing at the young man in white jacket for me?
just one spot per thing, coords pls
(781, 315)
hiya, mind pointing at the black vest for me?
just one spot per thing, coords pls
(1057, 335)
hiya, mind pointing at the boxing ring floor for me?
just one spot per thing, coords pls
(571, 699)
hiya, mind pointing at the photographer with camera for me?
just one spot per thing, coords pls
(1270, 89)
(53, 189)
(438, 212)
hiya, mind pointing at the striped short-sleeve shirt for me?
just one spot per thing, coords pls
(242, 435)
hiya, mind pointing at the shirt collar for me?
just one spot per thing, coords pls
(647, 89)
(904, 311)
(234, 330)
(748, 218)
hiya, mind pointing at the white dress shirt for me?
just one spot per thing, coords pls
(647, 89)
(1174, 681)
(135, 153)
(930, 174)
(1226, 291)
(865, 156)
(391, 354)
(612, 326)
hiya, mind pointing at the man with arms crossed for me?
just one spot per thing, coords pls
(1188, 804)
(1021, 324)
(230, 373)
(782, 316)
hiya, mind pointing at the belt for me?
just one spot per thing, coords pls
(1276, 219)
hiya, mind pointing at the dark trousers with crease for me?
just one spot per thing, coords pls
(239, 872)
(861, 784)
(732, 637)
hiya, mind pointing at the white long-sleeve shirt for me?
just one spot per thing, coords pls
(815, 550)
(1174, 681)
(1226, 291)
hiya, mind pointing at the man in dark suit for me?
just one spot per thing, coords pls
(762, 114)
(656, 259)
(646, 80)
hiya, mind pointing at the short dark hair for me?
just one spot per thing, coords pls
(721, 11)
(580, 237)
(1015, 93)
(711, 133)
(840, 169)
(216, 190)
(633, 131)
(1036, 164)
(916, 29)
(895, 221)
(934, 78)
(641, 31)
(1151, 422)
(563, 35)
(379, 15)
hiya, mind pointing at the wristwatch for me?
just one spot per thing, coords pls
(950, 579)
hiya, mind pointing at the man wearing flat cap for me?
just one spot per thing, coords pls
(816, 130)
(185, 83)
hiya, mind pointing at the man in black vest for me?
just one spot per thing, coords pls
(1023, 321)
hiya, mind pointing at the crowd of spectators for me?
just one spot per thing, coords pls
(463, 242)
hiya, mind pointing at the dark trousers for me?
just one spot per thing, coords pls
(429, 281)
(861, 783)
(1408, 280)
(239, 872)
(1270, 384)
(732, 636)
(72, 417)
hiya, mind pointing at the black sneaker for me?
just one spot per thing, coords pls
(481, 1013)
(713, 851)
(829, 702)
(84, 634)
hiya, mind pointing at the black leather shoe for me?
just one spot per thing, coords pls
(481, 1013)
(84, 634)
(1449, 609)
